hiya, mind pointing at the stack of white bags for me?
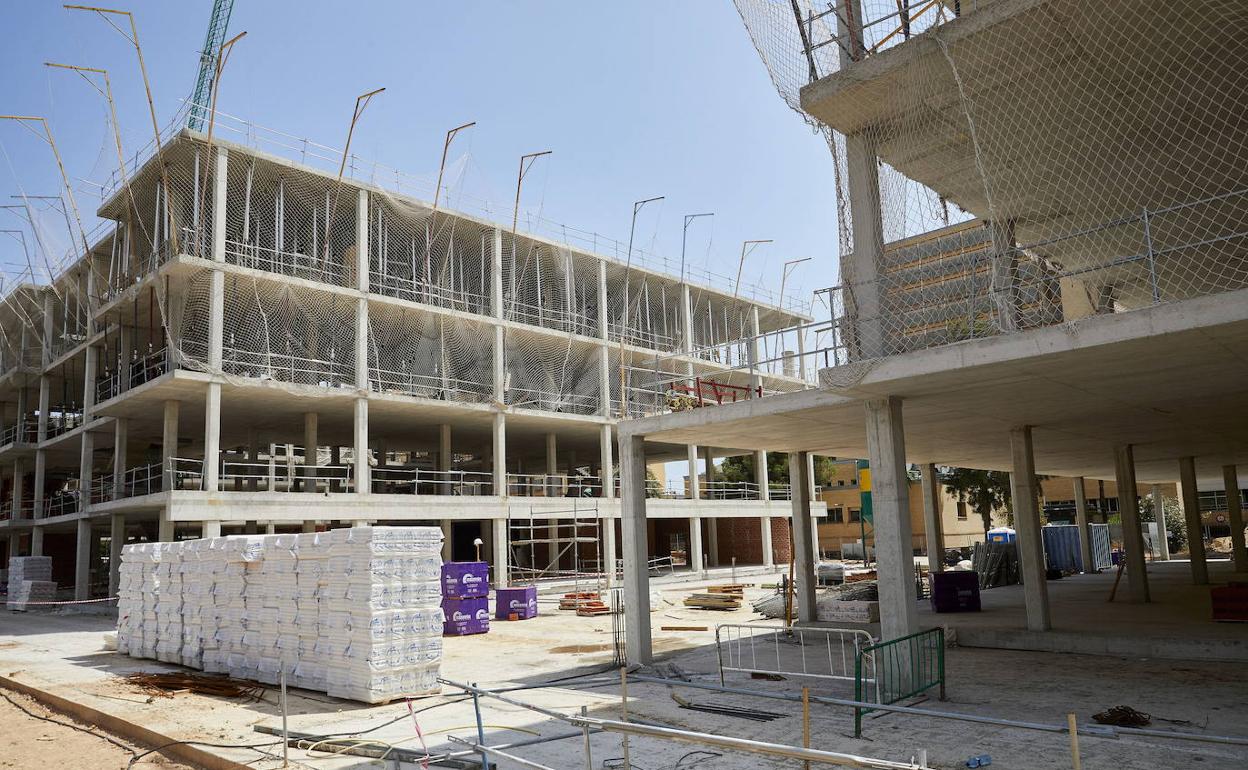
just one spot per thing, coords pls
(30, 580)
(353, 612)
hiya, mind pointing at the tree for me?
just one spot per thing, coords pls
(741, 468)
(1176, 522)
(984, 491)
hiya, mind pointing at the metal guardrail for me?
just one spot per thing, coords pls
(902, 667)
(822, 653)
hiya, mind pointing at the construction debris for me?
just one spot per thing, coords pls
(575, 601)
(166, 685)
(755, 715)
(1122, 716)
(996, 563)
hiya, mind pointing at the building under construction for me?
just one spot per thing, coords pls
(261, 345)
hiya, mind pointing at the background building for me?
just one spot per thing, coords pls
(259, 345)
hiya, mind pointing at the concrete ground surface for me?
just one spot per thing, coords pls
(63, 654)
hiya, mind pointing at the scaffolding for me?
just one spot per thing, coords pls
(540, 542)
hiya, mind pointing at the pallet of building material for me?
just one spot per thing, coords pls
(732, 589)
(575, 600)
(591, 608)
(857, 576)
(708, 601)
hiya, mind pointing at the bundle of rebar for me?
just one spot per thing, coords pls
(167, 684)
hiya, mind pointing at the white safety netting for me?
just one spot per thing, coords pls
(1087, 157)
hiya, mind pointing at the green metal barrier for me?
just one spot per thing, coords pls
(902, 668)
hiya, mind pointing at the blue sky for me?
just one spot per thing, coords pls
(636, 99)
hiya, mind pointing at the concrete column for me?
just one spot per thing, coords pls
(117, 539)
(606, 463)
(86, 462)
(1159, 515)
(36, 540)
(862, 301)
(169, 441)
(761, 475)
(1005, 274)
(752, 350)
(362, 478)
(310, 454)
(210, 529)
(769, 555)
(19, 482)
(696, 557)
(890, 494)
(1023, 493)
(708, 472)
(1235, 517)
(445, 457)
(712, 541)
(40, 481)
(552, 463)
(636, 563)
(933, 520)
(496, 275)
(610, 550)
(810, 470)
(500, 453)
(1129, 511)
(270, 528)
(1084, 527)
(82, 561)
(121, 442)
(308, 527)
(1189, 498)
(448, 526)
(502, 544)
(212, 437)
(803, 545)
(694, 487)
(41, 455)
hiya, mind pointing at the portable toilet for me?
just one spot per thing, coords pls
(1001, 535)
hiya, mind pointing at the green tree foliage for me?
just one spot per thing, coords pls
(984, 492)
(1176, 522)
(741, 468)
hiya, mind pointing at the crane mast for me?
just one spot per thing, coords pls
(217, 25)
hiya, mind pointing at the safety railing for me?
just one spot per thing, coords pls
(61, 504)
(730, 490)
(560, 319)
(310, 265)
(149, 366)
(549, 401)
(410, 383)
(553, 485)
(656, 567)
(142, 480)
(24, 431)
(425, 293)
(284, 367)
(63, 420)
(101, 488)
(641, 337)
(901, 668)
(834, 654)
(107, 386)
(423, 481)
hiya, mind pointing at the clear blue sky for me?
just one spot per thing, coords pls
(636, 99)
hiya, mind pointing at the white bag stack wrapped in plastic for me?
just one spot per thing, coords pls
(30, 580)
(352, 612)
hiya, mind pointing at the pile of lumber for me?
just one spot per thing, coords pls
(730, 589)
(712, 599)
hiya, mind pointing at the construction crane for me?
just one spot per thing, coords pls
(217, 25)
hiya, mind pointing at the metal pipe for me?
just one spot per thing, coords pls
(490, 750)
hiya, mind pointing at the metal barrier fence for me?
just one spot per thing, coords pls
(823, 653)
(902, 668)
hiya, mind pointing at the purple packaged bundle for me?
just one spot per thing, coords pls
(466, 616)
(465, 579)
(520, 601)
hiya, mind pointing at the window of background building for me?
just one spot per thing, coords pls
(961, 511)
(836, 515)
(855, 515)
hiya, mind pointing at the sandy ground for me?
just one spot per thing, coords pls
(63, 653)
(29, 742)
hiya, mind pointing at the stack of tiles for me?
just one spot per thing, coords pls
(30, 580)
(465, 597)
(352, 612)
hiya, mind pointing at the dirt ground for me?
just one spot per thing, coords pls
(28, 741)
